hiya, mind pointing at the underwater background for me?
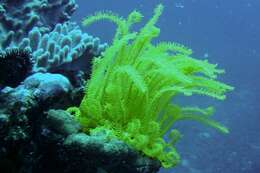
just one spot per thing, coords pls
(224, 32)
(45, 61)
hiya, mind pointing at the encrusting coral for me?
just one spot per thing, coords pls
(130, 90)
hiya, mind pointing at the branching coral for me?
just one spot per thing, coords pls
(17, 18)
(64, 44)
(131, 88)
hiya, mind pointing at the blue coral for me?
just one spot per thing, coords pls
(42, 27)
(64, 44)
(18, 18)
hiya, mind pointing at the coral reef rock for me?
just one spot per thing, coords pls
(98, 152)
(52, 142)
(46, 86)
(40, 89)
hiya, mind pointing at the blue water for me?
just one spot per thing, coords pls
(226, 32)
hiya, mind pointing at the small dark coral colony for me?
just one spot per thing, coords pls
(60, 112)
(15, 65)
